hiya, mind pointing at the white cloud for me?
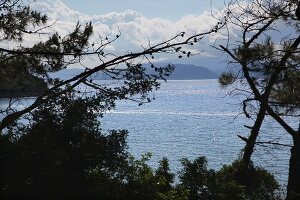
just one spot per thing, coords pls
(134, 26)
(137, 31)
(57, 10)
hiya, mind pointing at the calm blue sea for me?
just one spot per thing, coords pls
(191, 119)
(196, 118)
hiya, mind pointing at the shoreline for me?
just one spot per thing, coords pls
(20, 93)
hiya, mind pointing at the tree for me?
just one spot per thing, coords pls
(197, 178)
(270, 68)
(57, 52)
(233, 182)
(61, 153)
(164, 177)
(230, 182)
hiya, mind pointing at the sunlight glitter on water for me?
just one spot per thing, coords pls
(191, 119)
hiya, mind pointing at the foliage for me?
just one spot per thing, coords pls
(61, 153)
(16, 17)
(18, 21)
(268, 65)
(247, 182)
(52, 52)
(16, 81)
(269, 70)
(226, 78)
(287, 93)
(196, 178)
(235, 181)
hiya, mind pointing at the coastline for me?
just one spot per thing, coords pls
(20, 93)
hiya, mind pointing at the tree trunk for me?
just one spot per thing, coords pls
(293, 187)
(249, 148)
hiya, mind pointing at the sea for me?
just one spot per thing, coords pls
(192, 118)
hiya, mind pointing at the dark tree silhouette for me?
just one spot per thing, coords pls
(58, 52)
(270, 68)
(298, 11)
(61, 153)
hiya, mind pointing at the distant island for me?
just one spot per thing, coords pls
(17, 82)
(181, 72)
(191, 72)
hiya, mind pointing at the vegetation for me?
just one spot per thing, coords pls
(17, 82)
(269, 67)
(55, 148)
(61, 153)
(54, 52)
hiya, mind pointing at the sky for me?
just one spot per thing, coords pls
(139, 22)
(167, 9)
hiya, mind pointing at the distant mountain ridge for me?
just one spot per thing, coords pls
(191, 72)
(181, 72)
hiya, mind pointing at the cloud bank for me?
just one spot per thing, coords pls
(137, 31)
(135, 28)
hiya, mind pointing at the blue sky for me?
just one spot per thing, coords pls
(168, 9)
(143, 23)
(140, 22)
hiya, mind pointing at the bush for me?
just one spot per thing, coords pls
(234, 182)
(61, 153)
